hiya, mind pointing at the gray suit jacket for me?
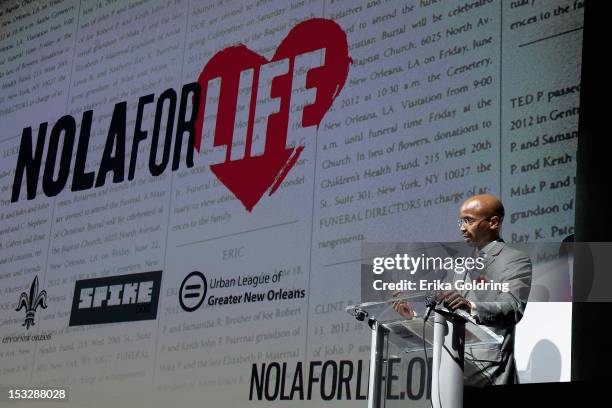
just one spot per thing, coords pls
(500, 311)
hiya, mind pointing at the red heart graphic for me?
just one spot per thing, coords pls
(251, 176)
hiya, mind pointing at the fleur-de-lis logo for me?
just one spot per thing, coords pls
(31, 302)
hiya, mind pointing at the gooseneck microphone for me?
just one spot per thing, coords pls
(431, 303)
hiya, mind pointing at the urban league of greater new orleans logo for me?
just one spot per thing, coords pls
(30, 301)
(244, 136)
(241, 289)
(193, 291)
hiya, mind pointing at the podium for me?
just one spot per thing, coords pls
(445, 334)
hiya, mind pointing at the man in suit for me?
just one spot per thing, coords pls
(480, 220)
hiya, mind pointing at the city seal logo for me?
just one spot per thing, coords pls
(30, 301)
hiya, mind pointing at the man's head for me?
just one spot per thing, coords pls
(480, 219)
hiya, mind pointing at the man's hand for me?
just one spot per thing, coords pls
(402, 307)
(453, 301)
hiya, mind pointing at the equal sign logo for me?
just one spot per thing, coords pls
(193, 291)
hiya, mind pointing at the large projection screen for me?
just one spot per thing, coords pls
(442, 100)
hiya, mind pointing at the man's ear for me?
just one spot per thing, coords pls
(495, 222)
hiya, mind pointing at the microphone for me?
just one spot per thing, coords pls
(361, 315)
(431, 303)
